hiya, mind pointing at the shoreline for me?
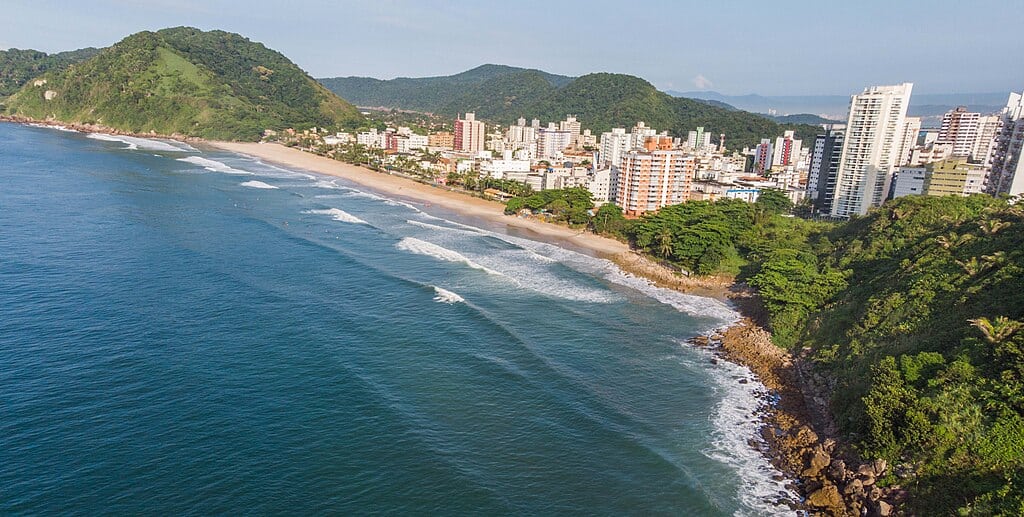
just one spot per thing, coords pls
(490, 211)
(796, 436)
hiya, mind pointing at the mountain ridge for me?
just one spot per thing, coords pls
(182, 80)
(600, 101)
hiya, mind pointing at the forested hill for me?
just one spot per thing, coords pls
(17, 67)
(914, 314)
(428, 94)
(600, 101)
(183, 80)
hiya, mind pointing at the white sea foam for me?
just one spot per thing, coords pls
(281, 171)
(429, 226)
(690, 304)
(213, 165)
(421, 247)
(339, 215)
(382, 199)
(736, 421)
(446, 296)
(58, 128)
(147, 144)
(257, 184)
(331, 184)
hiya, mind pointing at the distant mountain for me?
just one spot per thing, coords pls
(186, 81)
(600, 101)
(432, 94)
(17, 67)
(835, 106)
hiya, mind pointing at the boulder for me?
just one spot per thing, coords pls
(879, 467)
(825, 497)
(854, 487)
(837, 470)
(816, 462)
(883, 509)
(875, 493)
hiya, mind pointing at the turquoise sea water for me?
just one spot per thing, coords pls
(187, 331)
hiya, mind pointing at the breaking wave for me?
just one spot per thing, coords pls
(147, 144)
(213, 165)
(446, 296)
(421, 247)
(257, 184)
(339, 215)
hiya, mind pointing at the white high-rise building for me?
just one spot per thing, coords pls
(640, 134)
(614, 145)
(1007, 167)
(988, 130)
(960, 128)
(908, 140)
(551, 142)
(786, 150)
(874, 136)
(469, 134)
(698, 140)
(571, 125)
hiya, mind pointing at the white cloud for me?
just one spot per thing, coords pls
(702, 83)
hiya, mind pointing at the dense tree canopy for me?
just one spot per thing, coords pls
(600, 101)
(183, 80)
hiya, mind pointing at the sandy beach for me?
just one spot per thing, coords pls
(491, 211)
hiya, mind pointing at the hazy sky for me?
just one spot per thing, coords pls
(735, 47)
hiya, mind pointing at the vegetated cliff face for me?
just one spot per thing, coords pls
(18, 67)
(185, 81)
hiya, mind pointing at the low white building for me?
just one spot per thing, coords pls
(910, 181)
(599, 184)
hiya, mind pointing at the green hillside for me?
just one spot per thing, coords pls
(17, 67)
(600, 101)
(429, 94)
(183, 80)
(914, 315)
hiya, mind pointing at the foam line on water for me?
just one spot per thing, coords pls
(257, 184)
(736, 421)
(58, 128)
(382, 199)
(213, 165)
(421, 247)
(339, 215)
(147, 144)
(446, 296)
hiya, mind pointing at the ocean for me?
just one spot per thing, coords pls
(188, 331)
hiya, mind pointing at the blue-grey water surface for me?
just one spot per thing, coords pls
(197, 332)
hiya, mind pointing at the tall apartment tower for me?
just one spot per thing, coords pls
(821, 177)
(871, 147)
(469, 134)
(908, 140)
(960, 128)
(1007, 175)
(650, 180)
(988, 130)
(763, 157)
(614, 145)
(786, 150)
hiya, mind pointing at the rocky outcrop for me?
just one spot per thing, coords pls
(798, 430)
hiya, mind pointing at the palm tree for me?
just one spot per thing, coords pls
(665, 241)
(997, 331)
(992, 226)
